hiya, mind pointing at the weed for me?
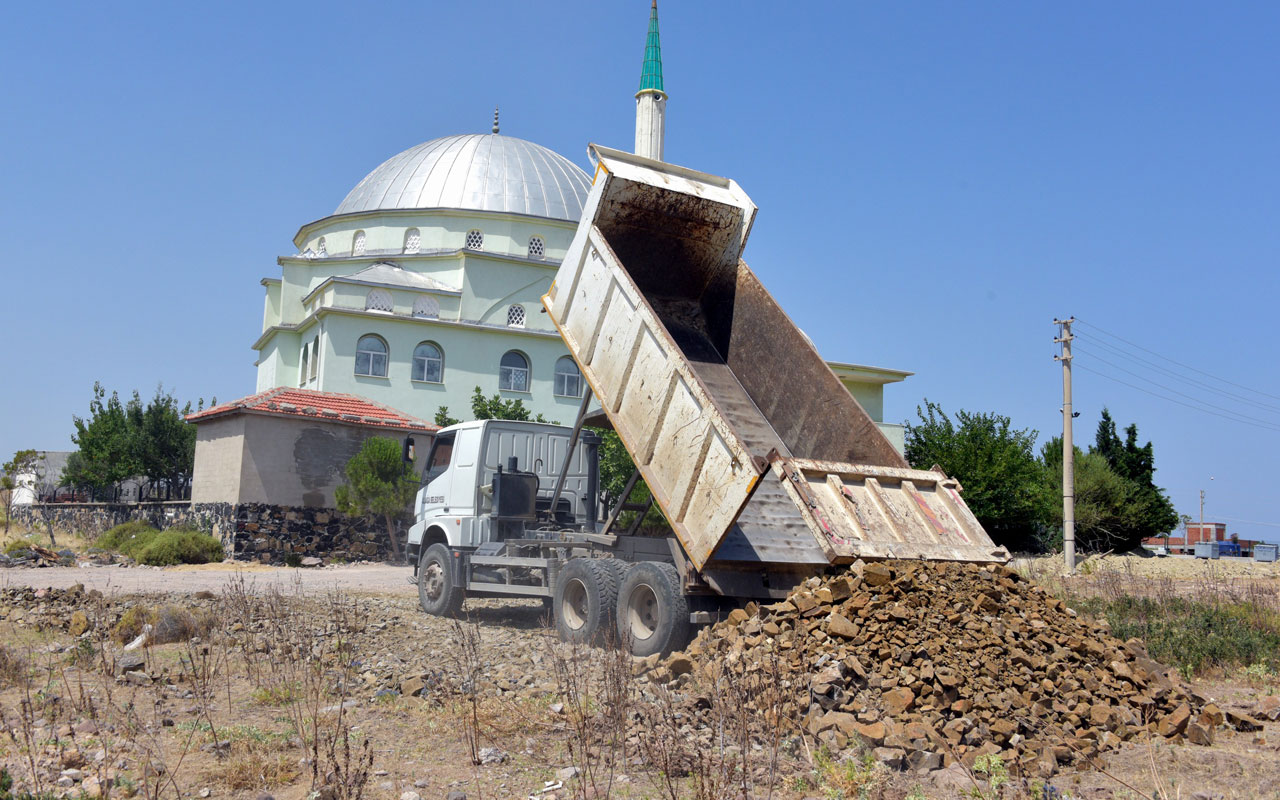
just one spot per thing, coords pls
(169, 623)
(991, 767)
(279, 695)
(13, 667)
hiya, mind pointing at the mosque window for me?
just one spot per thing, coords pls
(475, 240)
(428, 363)
(412, 240)
(322, 249)
(426, 306)
(513, 372)
(537, 247)
(305, 369)
(371, 357)
(315, 357)
(568, 378)
(515, 316)
(357, 244)
(378, 300)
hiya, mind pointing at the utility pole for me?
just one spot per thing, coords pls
(1200, 538)
(1068, 446)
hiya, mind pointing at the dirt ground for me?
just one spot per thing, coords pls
(358, 578)
(423, 693)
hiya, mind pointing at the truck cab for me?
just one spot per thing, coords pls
(455, 505)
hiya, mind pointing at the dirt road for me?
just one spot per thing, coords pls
(354, 578)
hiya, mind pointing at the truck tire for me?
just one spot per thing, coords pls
(653, 613)
(437, 593)
(585, 598)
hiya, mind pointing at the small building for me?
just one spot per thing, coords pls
(1200, 532)
(288, 447)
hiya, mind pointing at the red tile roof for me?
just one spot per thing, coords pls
(320, 405)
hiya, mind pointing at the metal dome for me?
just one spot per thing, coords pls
(480, 172)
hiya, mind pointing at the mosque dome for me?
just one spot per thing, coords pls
(477, 172)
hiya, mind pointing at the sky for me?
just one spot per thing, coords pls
(937, 182)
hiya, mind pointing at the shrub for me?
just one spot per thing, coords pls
(128, 538)
(18, 548)
(180, 546)
(168, 623)
(146, 545)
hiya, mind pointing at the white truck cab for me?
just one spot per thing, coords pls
(455, 504)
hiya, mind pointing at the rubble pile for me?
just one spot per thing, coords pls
(928, 663)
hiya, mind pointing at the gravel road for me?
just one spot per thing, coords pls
(355, 578)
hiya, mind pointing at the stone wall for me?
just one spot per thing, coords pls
(248, 531)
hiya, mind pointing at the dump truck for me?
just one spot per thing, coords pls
(765, 467)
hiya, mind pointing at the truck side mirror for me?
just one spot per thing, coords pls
(408, 450)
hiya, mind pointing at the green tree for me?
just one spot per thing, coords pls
(1136, 463)
(1106, 513)
(1004, 483)
(164, 443)
(105, 443)
(490, 408)
(379, 483)
(23, 463)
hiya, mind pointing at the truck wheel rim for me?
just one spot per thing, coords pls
(434, 580)
(575, 610)
(642, 611)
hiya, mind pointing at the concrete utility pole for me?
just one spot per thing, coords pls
(1068, 446)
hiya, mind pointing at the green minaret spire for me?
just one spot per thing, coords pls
(651, 75)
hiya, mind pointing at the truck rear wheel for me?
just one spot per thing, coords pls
(585, 598)
(437, 593)
(653, 613)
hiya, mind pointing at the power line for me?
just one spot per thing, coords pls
(1267, 427)
(1249, 521)
(1182, 394)
(1179, 363)
(1171, 373)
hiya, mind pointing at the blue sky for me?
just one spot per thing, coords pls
(936, 182)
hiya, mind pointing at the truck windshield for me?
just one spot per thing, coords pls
(441, 452)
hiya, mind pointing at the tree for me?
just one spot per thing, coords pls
(1004, 483)
(23, 463)
(489, 408)
(1106, 514)
(164, 444)
(105, 443)
(1135, 463)
(121, 440)
(379, 482)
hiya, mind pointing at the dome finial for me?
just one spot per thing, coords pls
(495, 119)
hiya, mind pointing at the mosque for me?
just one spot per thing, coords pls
(425, 283)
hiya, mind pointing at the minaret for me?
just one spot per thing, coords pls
(651, 101)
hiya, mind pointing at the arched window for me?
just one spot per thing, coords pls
(357, 244)
(323, 250)
(475, 240)
(315, 357)
(371, 357)
(378, 300)
(537, 247)
(426, 306)
(305, 368)
(513, 372)
(428, 363)
(568, 378)
(515, 316)
(412, 240)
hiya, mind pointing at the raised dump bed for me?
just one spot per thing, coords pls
(752, 447)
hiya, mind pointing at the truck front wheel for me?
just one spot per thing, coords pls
(437, 593)
(585, 597)
(653, 614)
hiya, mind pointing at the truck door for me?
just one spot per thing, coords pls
(437, 478)
(461, 500)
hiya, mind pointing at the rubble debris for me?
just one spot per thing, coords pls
(924, 664)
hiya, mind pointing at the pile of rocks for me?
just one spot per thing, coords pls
(930, 663)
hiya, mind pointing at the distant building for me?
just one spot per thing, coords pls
(42, 482)
(1198, 532)
(288, 447)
